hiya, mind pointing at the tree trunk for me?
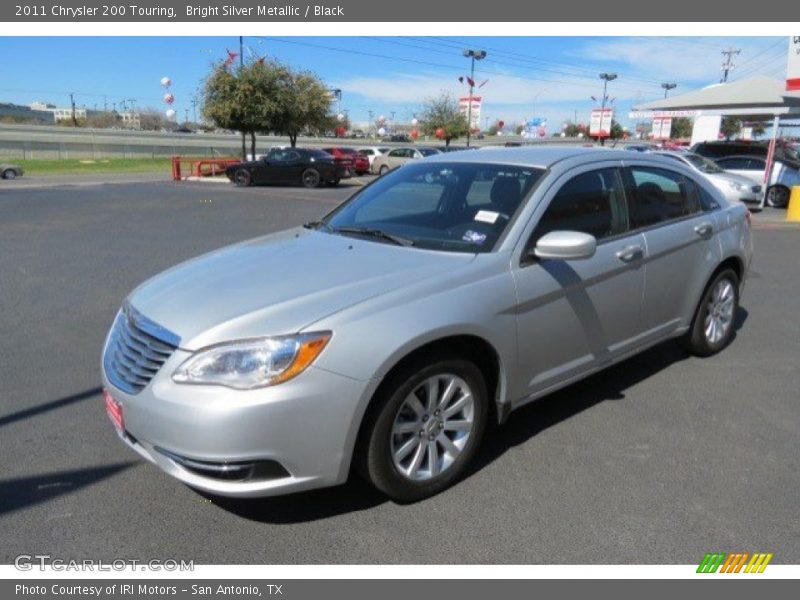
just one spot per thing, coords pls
(244, 147)
(293, 139)
(253, 144)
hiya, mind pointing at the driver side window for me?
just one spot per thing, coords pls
(592, 202)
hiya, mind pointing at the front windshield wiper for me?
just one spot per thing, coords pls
(374, 233)
(318, 225)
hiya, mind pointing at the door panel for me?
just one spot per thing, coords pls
(574, 316)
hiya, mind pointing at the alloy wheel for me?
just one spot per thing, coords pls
(719, 313)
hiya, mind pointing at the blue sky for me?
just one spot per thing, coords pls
(550, 77)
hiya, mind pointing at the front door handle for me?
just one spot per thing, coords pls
(703, 229)
(630, 253)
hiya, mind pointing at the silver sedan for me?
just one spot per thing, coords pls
(440, 298)
(733, 186)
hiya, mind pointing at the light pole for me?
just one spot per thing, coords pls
(473, 55)
(606, 77)
(667, 87)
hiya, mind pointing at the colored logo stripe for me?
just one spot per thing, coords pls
(733, 563)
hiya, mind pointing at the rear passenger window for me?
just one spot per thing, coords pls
(659, 195)
(591, 202)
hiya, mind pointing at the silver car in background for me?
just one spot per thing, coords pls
(397, 157)
(385, 337)
(734, 187)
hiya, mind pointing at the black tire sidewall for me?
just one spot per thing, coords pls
(697, 342)
(9, 174)
(378, 465)
(778, 189)
(308, 172)
(383, 170)
(242, 178)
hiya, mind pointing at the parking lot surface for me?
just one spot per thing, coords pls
(656, 460)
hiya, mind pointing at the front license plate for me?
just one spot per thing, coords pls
(114, 411)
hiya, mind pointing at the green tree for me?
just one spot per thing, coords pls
(442, 112)
(759, 129)
(681, 128)
(243, 99)
(302, 103)
(730, 127)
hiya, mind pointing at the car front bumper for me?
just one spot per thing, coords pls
(297, 435)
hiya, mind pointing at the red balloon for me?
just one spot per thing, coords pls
(501, 124)
(414, 134)
(340, 131)
(440, 133)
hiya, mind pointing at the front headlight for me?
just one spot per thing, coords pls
(253, 363)
(735, 185)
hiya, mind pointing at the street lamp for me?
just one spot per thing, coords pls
(473, 55)
(667, 87)
(606, 77)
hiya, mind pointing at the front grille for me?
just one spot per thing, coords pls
(136, 349)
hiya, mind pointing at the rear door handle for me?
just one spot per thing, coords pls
(703, 229)
(630, 253)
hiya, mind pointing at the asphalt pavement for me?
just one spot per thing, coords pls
(656, 460)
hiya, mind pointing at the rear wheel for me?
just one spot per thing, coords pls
(713, 323)
(9, 174)
(311, 178)
(383, 170)
(425, 428)
(777, 196)
(242, 178)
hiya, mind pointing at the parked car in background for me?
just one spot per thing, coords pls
(783, 177)
(308, 166)
(373, 151)
(402, 138)
(455, 148)
(8, 171)
(359, 162)
(641, 147)
(733, 186)
(750, 160)
(399, 156)
(385, 338)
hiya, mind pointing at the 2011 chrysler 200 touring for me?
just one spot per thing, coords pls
(433, 302)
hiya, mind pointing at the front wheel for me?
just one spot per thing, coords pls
(9, 174)
(713, 323)
(777, 196)
(311, 178)
(242, 178)
(424, 428)
(383, 170)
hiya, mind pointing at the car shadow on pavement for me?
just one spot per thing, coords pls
(24, 492)
(48, 406)
(522, 425)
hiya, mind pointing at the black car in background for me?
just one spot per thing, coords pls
(308, 166)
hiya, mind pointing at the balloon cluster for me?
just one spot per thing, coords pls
(169, 97)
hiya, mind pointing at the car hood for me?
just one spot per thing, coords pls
(279, 284)
(723, 178)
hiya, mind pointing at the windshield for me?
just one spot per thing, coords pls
(460, 207)
(702, 164)
(428, 151)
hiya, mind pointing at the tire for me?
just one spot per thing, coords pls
(395, 437)
(242, 178)
(383, 170)
(311, 178)
(777, 196)
(713, 323)
(9, 174)
(334, 182)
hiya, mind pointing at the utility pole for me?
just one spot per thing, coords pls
(194, 110)
(473, 55)
(72, 102)
(727, 65)
(369, 129)
(606, 77)
(667, 87)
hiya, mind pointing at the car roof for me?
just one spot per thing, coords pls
(539, 156)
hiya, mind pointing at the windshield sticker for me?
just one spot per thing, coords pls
(473, 237)
(487, 216)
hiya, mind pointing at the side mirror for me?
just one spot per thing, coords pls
(565, 245)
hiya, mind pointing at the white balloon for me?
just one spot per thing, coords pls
(381, 119)
(340, 117)
(170, 114)
(414, 121)
(166, 81)
(381, 131)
